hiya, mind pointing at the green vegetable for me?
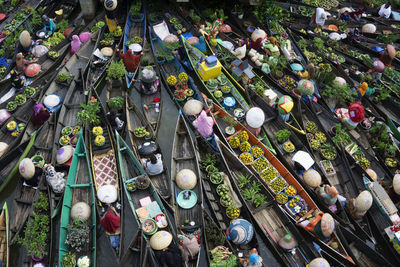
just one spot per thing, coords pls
(282, 135)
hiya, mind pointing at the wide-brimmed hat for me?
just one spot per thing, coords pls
(255, 117)
(107, 194)
(148, 75)
(27, 168)
(80, 211)
(193, 107)
(160, 240)
(110, 5)
(64, 154)
(25, 38)
(186, 179)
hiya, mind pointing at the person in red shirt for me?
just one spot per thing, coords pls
(130, 59)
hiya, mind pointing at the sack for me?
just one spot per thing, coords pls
(55, 180)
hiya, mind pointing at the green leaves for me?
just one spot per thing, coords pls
(116, 103)
(78, 235)
(89, 114)
(115, 70)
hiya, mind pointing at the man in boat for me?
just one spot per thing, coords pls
(319, 17)
(49, 27)
(189, 246)
(111, 224)
(153, 165)
(131, 58)
(385, 11)
(111, 14)
(149, 81)
(115, 119)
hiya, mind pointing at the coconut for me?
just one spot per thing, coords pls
(27, 168)
(372, 174)
(80, 211)
(396, 183)
(312, 178)
(258, 33)
(368, 28)
(319, 262)
(364, 201)
(186, 179)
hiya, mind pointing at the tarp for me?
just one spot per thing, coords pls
(161, 30)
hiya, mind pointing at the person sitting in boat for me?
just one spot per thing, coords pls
(111, 224)
(153, 165)
(272, 47)
(75, 44)
(131, 59)
(21, 62)
(345, 16)
(258, 37)
(167, 253)
(149, 82)
(25, 43)
(319, 17)
(111, 14)
(356, 15)
(48, 29)
(34, 181)
(253, 259)
(40, 114)
(385, 10)
(254, 120)
(328, 193)
(189, 246)
(204, 125)
(388, 55)
(55, 179)
(114, 118)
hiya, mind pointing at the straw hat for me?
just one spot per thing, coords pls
(170, 38)
(136, 48)
(379, 66)
(327, 225)
(110, 5)
(64, 154)
(193, 107)
(255, 117)
(368, 28)
(80, 211)
(319, 262)
(258, 33)
(27, 168)
(372, 174)
(287, 242)
(305, 87)
(160, 240)
(107, 194)
(312, 178)
(240, 231)
(363, 201)
(59, 12)
(186, 179)
(193, 40)
(3, 148)
(396, 183)
(107, 51)
(25, 39)
(148, 75)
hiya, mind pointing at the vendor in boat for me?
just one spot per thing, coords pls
(272, 47)
(345, 16)
(115, 119)
(153, 165)
(356, 15)
(319, 17)
(149, 81)
(30, 173)
(167, 253)
(359, 206)
(328, 193)
(254, 120)
(253, 259)
(40, 114)
(17, 79)
(189, 246)
(21, 62)
(49, 27)
(131, 58)
(388, 55)
(111, 224)
(385, 10)
(111, 14)
(322, 225)
(25, 43)
(204, 125)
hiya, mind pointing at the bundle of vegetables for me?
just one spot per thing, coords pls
(54, 40)
(98, 25)
(222, 255)
(282, 135)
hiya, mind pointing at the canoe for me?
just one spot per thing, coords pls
(184, 158)
(131, 170)
(218, 212)
(104, 167)
(287, 179)
(132, 29)
(151, 103)
(79, 188)
(4, 249)
(135, 119)
(362, 254)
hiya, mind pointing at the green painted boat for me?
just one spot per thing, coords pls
(79, 189)
(4, 250)
(131, 170)
(393, 127)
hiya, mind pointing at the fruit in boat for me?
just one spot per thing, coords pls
(11, 105)
(183, 76)
(29, 91)
(66, 131)
(311, 127)
(334, 245)
(64, 139)
(257, 151)
(364, 163)
(321, 137)
(243, 136)
(245, 146)
(132, 186)
(269, 174)
(11, 125)
(20, 99)
(99, 140)
(140, 131)
(222, 189)
(171, 80)
(215, 177)
(328, 151)
(226, 89)
(282, 135)
(277, 185)
(76, 130)
(315, 144)
(246, 158)
(391, 162)
(260, 164)
(234, 142)
(97, 130)
(289, 147)
(291, 190)
(21, 126)
(232, 212)
(281, 198)
(218, 94)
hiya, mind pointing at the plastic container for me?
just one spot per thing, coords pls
(281, 203)
(149, 222)
(66, 128)
(251, 151)
(161, 217)
(324, 168)
(274, 181)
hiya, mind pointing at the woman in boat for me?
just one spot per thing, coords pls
(21, 62)
(25, 44)
(189, 246)
(131, 59)
(49, 27)
(35, 179)
(169, 256)
(328, 193)
(204, 124)
(40, 114)
(153, 165)
(149, 82)
(17, 79)
(111, 14)
(75, 44)
(111, 224)
(115, 119)
(254, 120)
(385, 10)
(319, 17)
(253, 259)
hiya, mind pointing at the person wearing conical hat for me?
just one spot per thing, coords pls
(111, 14)
(149, 82)
(49, 27)
(59, 15)
(25, 43)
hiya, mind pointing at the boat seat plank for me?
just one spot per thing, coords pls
(183, 158)
(79, 185)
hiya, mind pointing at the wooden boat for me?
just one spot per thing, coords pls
(79, 188)
(27, 195)
(135, 119)
(4, 249)
(104, 167)
(130, 170)
(218, 212)
(287, 177)
(184, 157)
(362, 254)
(134, 28)
(151, 110)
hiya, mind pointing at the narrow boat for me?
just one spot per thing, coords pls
(134, 28)
(104, 170)
(188, 193)
(283, 179)
(135, 120)
(79, 189)
(269, 216)
(4, 239)
(141, 199)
